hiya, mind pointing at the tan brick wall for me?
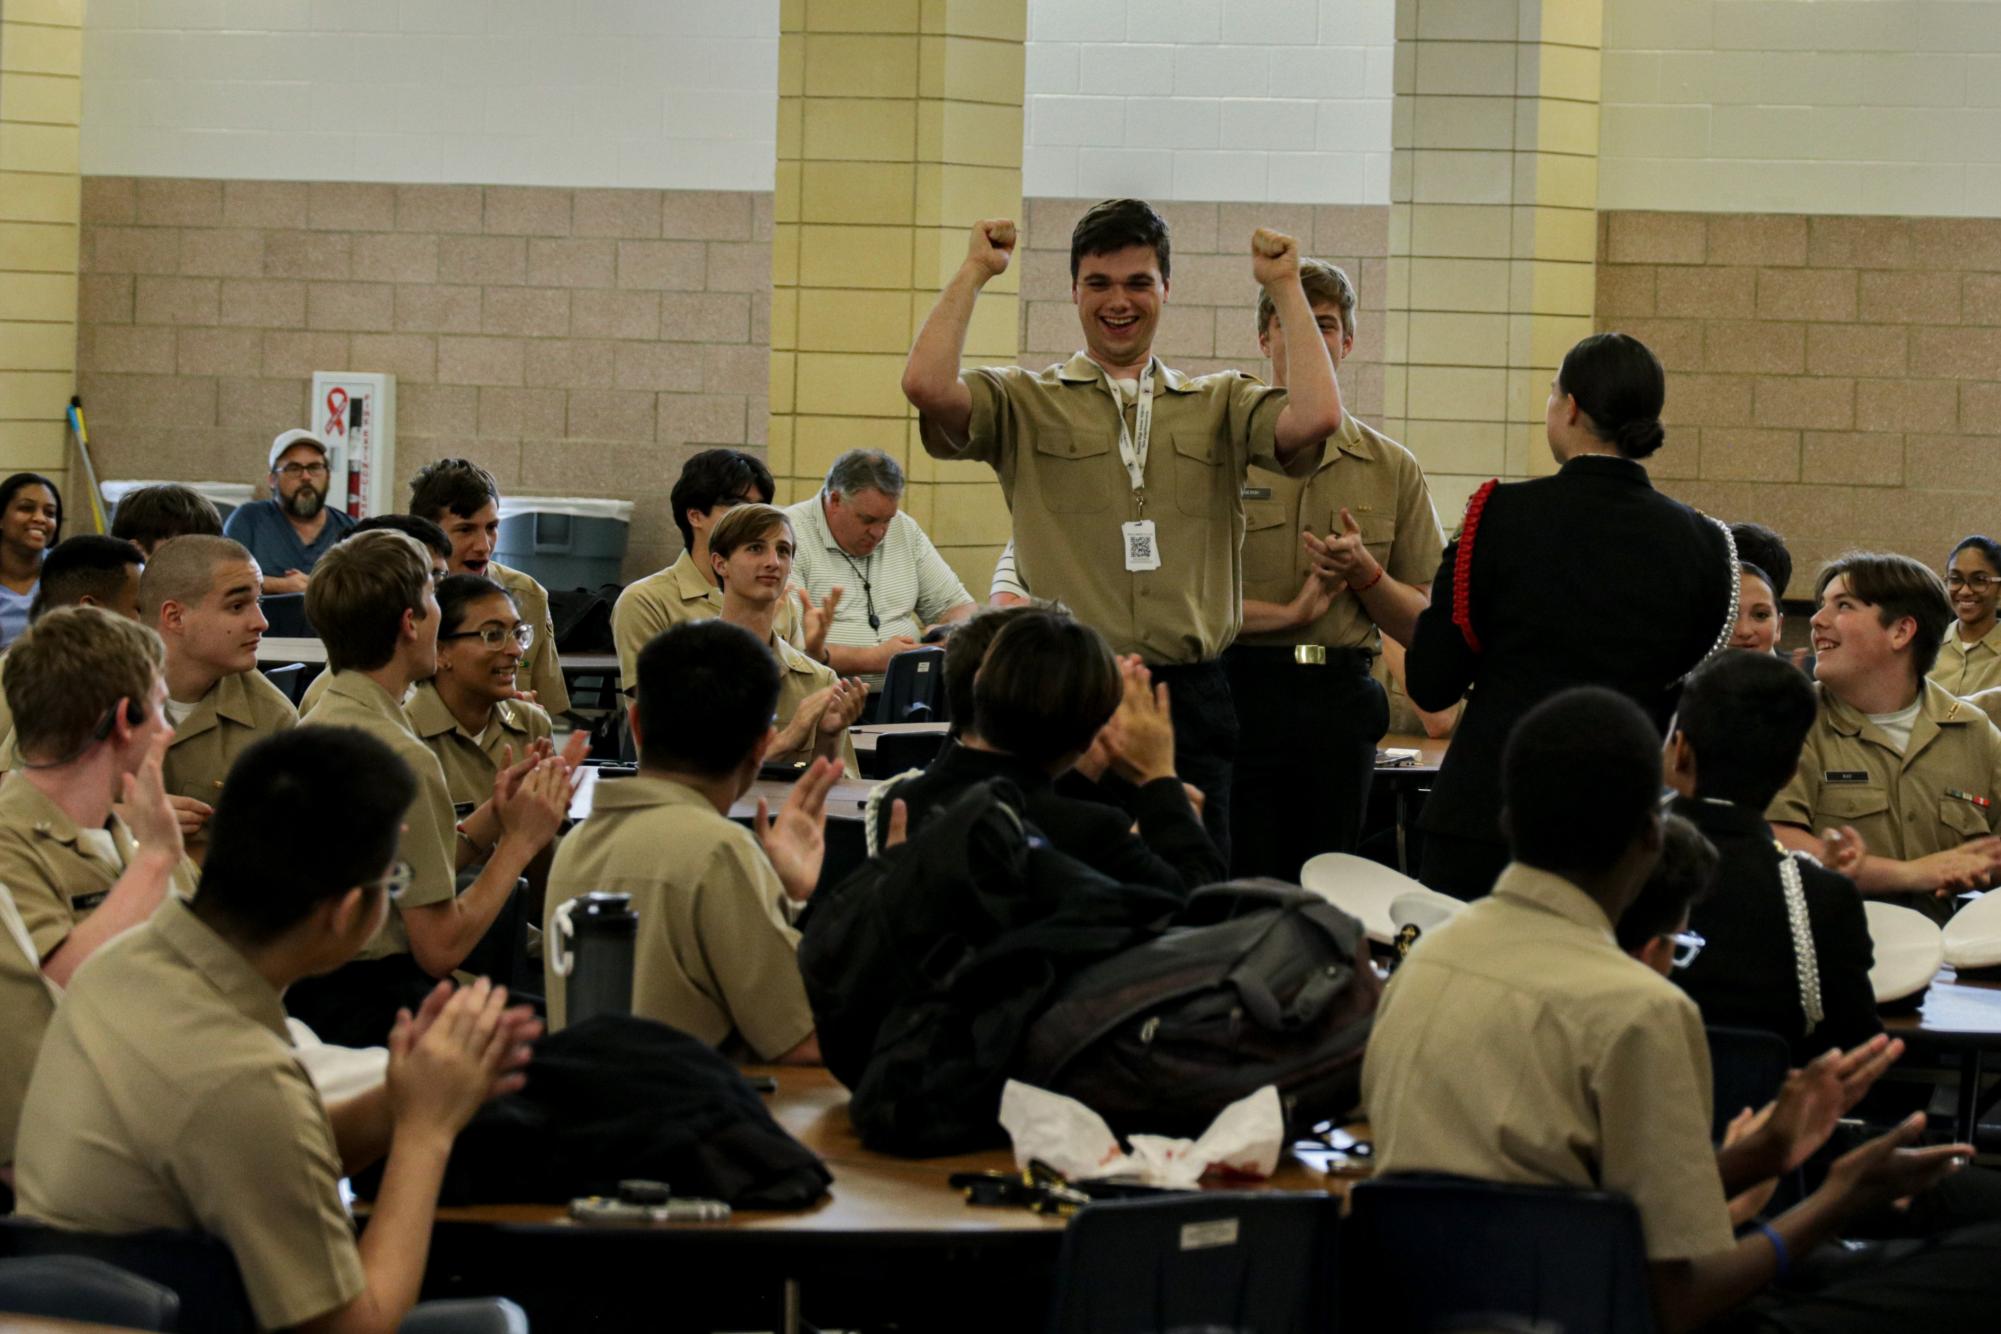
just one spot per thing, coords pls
(576, 342)
(1210, 320)
(1838, 378)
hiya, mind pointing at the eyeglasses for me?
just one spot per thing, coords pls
(496, 636)
(294, 471)
(1687, 944)
(1979, 581)
(396, 883)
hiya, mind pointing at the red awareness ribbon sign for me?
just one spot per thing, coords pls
(336, 411)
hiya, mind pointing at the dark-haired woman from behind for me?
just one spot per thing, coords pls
(1587, 577)
(31, 522)
(1969, 658)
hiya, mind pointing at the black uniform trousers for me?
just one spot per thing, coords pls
(1305, 755)
(1205, 738)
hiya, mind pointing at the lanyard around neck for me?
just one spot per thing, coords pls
(1133, 443)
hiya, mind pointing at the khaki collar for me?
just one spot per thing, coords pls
(791, 659)
(1551, 893)
(38, 812)
(430, 716)
(643, 791)
(1987, 641)
(360, 688)
(1349, 440)
(1937, 705)
(227, 698)
(218, 963)
(690, 584)
(1080, 369)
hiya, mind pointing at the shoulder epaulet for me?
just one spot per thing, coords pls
(1462, 568)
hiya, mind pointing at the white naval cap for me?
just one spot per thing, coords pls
(1973, 936)
(1909, 950)
(1425, 909)
(1361, 888)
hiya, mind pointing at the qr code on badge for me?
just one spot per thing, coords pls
(1142, 546)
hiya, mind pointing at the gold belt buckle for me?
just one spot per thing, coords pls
(1310, 655)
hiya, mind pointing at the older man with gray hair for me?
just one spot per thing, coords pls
(891, 582)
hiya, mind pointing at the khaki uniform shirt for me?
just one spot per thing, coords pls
(715, 955)
(1379, 482)
(168, 1096)
(799, 676)
(1053, 438)
(667, 598)
(430, 828)
(58, 879)
(28, 1000)
(471, 764)
(1902, 805)
(541, 667)
(236, 711)
(1518, 1043)
(6, 712)
(1963, 669)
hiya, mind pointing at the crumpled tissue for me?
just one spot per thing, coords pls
(1245, 1139)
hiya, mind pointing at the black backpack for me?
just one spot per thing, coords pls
(1258, 983)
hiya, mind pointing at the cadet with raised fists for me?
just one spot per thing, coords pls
(1142, 543)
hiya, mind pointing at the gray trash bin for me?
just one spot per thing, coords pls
(564, 541)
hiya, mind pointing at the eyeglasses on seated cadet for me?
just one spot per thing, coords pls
(496, 636)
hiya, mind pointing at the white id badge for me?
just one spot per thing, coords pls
(1142, 552)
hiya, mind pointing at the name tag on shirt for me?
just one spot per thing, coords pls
(1845, 776)
(1257, 493)
(88, 902)
(1142, 551)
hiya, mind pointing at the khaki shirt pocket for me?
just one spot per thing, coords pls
(1963, 817)
(1200, 487)
(1269, 543)
(1379, 532)
(1071, 473)
(1842, 803)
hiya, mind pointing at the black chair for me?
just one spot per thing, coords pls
(291, 679)
(913, 689)
(73, 1287)
(287, 614)
(898, 752)
(195, 1266)
(1747, 1066)
(1424, 1252)
(1217, 1261)
(472, 1315)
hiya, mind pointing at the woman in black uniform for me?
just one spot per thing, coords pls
(1653, 582)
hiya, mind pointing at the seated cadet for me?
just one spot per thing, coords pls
(1788, 946)
(1969, 659)
(85, 571)
(750, 549)
(463, 499)
(169, 1096)
(1765, 569)
(28, 999)
(435, 542)
(371, 600)
(712, 483)
(1044, 689)
(1914, 770)
(146, 516)
(200, 594)
(1519, 1044)
(87, 688)
(717, 954)
(468, 712)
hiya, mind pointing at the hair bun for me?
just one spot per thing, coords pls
(1641, 436)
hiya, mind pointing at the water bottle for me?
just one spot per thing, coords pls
(594, 939)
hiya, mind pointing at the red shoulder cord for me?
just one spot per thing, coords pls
(1462, 565)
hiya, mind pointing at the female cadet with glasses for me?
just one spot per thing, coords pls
(1593, 545)
(469, 714)
(1969, 658)
(31, 522)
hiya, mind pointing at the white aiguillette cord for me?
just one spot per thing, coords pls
(1805, 962)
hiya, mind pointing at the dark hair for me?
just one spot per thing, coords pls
(150, 515)
(1758, 573)
(14, 484)
(713, 476)
(86, 566)
(1619, 384)
(456, 486)
(1047, 685)
(410, 525)
(1116, 224)
(358, 593)
(254, 884)
(1986, 546)
(1896, 586)
(456, 592)
(1746, 715)
(707, 692)
(1761, 546)
(1682, 878)
(1580, 780)
(965, 650)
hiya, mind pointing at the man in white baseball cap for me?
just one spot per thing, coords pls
(296, 526)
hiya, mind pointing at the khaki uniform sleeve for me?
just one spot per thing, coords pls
(44, 912)
(429, 830)
(1652, 1089)
(1253, 416)
(1798, 799)
(1419, 541)
(263, 1175)
(544, 665)
(753, 951)
(990, 436)
(635, 619)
